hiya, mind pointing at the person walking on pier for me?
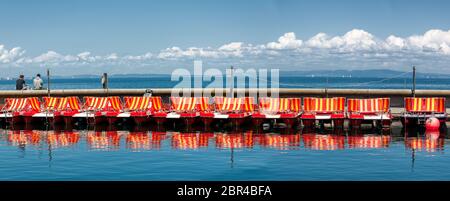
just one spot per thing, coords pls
(38, 82)
(20, 83)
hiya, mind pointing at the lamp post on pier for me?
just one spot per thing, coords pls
(414, 82)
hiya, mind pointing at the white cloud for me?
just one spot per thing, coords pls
(431, 40)
(50, 56)
(85, 56)
(287, 41)
(112, 56)
(234, 46)
(8, 56)
(358, 39)
(228, 50)
(445, 48)
(354, 40)
(192, 52)
(145, 56)
(394, 42)
(356, 47)
(321, 40)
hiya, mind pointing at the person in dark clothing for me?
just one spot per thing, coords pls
(20, 83)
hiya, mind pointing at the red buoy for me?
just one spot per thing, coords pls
(432, 124)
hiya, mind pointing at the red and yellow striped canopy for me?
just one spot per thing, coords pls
(280, 105)
(368, 105)
(226, 104)
(336, 104)
(50, 103)
(204, 104)
(95, 103)
(249, 106)
(184, 104)
(295, 104)
(19, 104)
(15, 104)
(136, 103)
(114, 103)
(157, 103)
(429, 104)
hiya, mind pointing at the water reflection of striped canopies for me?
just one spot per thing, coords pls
(430, 142)
(145, 140)
(368, 141)
(190, 140)
(151, 140)
(55, 139)
(283, 142)
(323, 142)
(104, 140)
(234, 140)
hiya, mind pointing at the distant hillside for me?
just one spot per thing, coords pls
(376, 73)
(381, 73)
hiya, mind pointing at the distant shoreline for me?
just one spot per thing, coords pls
(376, 73)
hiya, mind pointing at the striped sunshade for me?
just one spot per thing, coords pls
(428, 104)
(368, 105)
(336, 104)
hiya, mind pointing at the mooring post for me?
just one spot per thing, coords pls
(232, 83)
(48, 82)
(105, 82)
(48, 94)
(414, 82)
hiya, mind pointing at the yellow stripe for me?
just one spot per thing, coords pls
(187, 104)
(180, 103)
(129, 101)
(432, 104)
(271, 104)
(415, 101)
(329, 104)
(226, 105)
(318, 104)
(237, 104)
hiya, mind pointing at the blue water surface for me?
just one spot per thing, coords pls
(285, 82)
(124, 155)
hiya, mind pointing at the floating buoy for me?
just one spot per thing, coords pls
(432, 124)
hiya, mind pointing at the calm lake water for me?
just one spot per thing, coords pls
(151, 155)
(285, 82)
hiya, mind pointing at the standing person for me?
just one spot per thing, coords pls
(38, 82)
(20, 83)
(104, 81)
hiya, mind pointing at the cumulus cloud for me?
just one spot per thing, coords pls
(286, 41)
(234, 46)
(50, 56)
(87, 57)
(432, 40)
(192, 52)
(356, 47)
(445, 48)
(354, 40)
(112, 56)
(8, 56)
(234, 49)
(394, 42)
(145, 56)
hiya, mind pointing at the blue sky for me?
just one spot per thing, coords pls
(116, 35)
